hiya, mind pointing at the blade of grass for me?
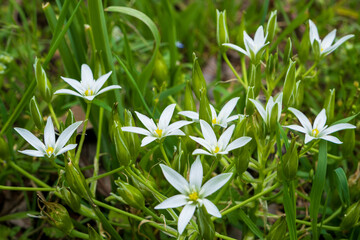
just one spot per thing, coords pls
(342, 186)
(252, 226)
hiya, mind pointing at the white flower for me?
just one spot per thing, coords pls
(254, 48)
(214, 146)
(50, 148)
(192, 193)
(266, 113)
(318, 129)
(88, 88)
(160, 130)
(222, 119)
(325, 46)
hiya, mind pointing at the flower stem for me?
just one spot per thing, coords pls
(233, 70)
(164, 154)
(96, 159)
(94, 178)
(13, 188)
(77, 234)
(77, 157)
(53, 115)
(310, 69)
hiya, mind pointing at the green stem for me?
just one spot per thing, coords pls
(12, 188)
(243, 67)
(223, 236)
(77, 234)
(332, 228)
(94, 178)
(96, 159)
(53, 115)
(233, 70)
(310, 70)
(164, 154)
(77, 157)
(212, 168)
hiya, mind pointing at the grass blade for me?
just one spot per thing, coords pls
(342, 186)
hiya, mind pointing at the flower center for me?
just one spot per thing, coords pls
(159, 132)
(193, 196)
(217, 149)
(89, 92)
(49, 150)
(315, 132)
(214, 121)
(322, 49)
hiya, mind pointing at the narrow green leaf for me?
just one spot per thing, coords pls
(346, 120)
(342, 186)
(252, 226)
(171, 91)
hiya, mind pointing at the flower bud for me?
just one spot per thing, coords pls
(57, 216)
(70, 198)
(290, 161)
(329, 105)
(4, 148)
(36, 114)
(75, 179)
(189, 99)
(255, 78)
(303, 52)
(222, 35)
(204, 110)
(206, 226)
(351, 217)
(198, 80)
(132, 139)
(43, 82)
(93, 235)
(242, 160)
(289, 84)
(160, 72)
(299, 94)
(271, 26)
(272, 124)
(131, 195)
(142, 188)
(277, 230)
(122, 151)
(287, 52)
(249, 105)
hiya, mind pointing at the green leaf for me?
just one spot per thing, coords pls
(342, 186)
(252, 226)
(346, 120)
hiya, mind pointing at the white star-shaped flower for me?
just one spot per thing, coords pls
(254, 48)
(88, 88)
(214, 146)
(192, 193)
(223, 119)
(51, 147)
(325, 45)
(265, 113)
(160, 130)
(318, 129)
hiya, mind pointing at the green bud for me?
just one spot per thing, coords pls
(36, 114)
(43, 82)
(271, 26)
(122, 150)
(204, 110)
(70, 198)
(57, 216)
(222, 35)
(299, 94)
(273, 118)
(329, 105)
(349, 142)
(93, 235)
(249, 105)
(242, 160)
(255, 78)
(198, 80)
(75, 179)
(290, 161)
(133, 141)
(142, 188)
(189, 99)
(4, 148)
(289, 84)
(206, 226)
(278, 229)
(303, 52)
(161, 72)
(131, 195)
(287, 52)
(351, 217)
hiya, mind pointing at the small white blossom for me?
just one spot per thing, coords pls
(160, 130)
(223, 119)
(318, 130)
(214, 146)
(254, 48)
(192, 193)
(88, 88)
(266, 113)
(51, 147)
(325, 45)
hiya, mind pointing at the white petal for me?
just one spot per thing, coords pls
(148, 123)
(308, 138)
(202, 142)
(190, 114)
(314, 35)
(196, 174)
(297, 128)
(177, 125)
(89, 98)
(108, 88)
(146, 140)
(74, 84)
(175, 179)
(259, 108)
(302, 118)
(236, 48)
(232, 118)
(31, 139)
(338, 127)
(259, 37)
(137, 130)
(211, 208)
(320, 120)
(213, 112)
(66, 135)
(173, 202)
(201, 152)
(33, 153)
(166, 115)
(100, 82)
(66, 148)
(238, 143)
(86, 74)
(214, 184)
(338, 43)
(68, 92)
(175, 132)
(227, 109)
(49, 133)
(208, 133)
(185, 216)
(331, 139)
(225, 137)
(278, 100)
(249, 43)
(328, 40)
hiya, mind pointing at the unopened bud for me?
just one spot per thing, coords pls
(329, 105)
(43, 82)
(289, 84)
(75, 179)
(161, 72)
(132, 139)
(121, 146)
(206, 226)
(272, 124)
(189, 98)
(36, 114)
(198, 80)
(204, 110)
(351, 217)
(222, 35)
(70, 198)
(131, 195)
(271, 26)
(290, 161)
(278, 229)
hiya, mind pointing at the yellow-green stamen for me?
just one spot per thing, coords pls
(322, 49)
(217, 149)
(214, 121)
(193, 196)
(159, 132)
(49, 150)
(315, 132)
(89, 92)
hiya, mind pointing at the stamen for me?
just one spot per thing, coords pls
(193, 196)
(315, 132)
(49, 150)
(214, 121)
(159, 132)
(217, 149)
(89, 92)
(322, 49)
